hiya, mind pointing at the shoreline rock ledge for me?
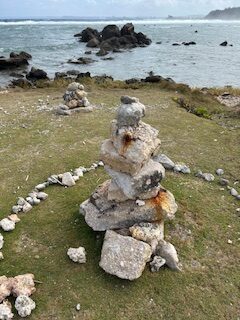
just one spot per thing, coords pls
(132, 206)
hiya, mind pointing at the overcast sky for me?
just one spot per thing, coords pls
(108, 8)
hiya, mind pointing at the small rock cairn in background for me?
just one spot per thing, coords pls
(132, 206)
(75, 100)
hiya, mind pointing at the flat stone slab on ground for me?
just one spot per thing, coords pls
(124, 256)
(101, 214)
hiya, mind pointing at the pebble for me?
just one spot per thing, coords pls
(233, 192)
(40, 186)
(219, 172)
(42, 196)
(78, 172)
(208, 177)
(14, 218)
(16, 209)
(53, 179)
(229, 241)
(21, 202)
(183, 168)
(157, 263)
(165, 161)
(238, 196)
(7, 225)
(223, 182)
(36, 201)
(26, 207)
(140, 203)
(78, 307)
(67, 180)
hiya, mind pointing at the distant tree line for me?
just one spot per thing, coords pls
(226, 14)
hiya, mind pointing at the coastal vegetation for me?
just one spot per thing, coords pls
(225, 14)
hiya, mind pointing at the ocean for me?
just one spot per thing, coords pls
(52, 44)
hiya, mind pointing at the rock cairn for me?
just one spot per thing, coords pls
(132, 206)
(75, 99)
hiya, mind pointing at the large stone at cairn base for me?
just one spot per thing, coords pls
(123, 256)
(101, 214)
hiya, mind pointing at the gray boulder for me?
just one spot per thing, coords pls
(129, 149)
(124, 256)
(130, 114)
(143, 185)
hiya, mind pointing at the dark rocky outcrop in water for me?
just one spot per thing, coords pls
(15, 60)
(81, 60)
(224, 44)
(113, 39)
(37, 74)
(226, 14)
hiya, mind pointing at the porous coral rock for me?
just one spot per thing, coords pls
(24, 305)
(7, 225)
(6, 310)
(77, 254)
(23, 285)
(5, 287)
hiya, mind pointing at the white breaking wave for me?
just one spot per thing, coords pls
(147, 21)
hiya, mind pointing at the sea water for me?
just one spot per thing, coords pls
(52, 44)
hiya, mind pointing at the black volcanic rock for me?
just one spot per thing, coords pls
(111, 39)
(15, 60)
(22, 54)
(81, 60)
(110, 31)
(127, 29)
(88, 34)
(143, 39)
(224, 44)
(23, 83)
(93, 43)
(37, 74)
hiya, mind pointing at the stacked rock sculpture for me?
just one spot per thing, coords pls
(75, 99)
(132, 206)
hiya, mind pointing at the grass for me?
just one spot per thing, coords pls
(38, 143)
